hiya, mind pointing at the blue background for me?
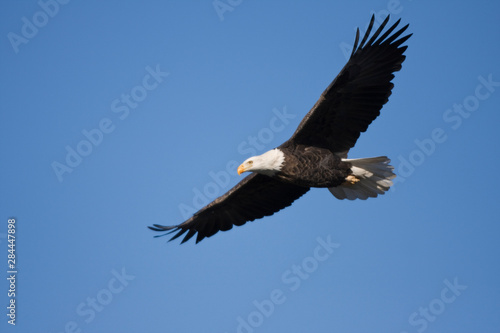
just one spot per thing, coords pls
(228, 71)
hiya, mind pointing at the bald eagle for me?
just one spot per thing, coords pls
(316, 154)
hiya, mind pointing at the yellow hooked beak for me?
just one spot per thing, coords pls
(241, 169)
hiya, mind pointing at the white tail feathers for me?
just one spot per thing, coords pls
(374, 175)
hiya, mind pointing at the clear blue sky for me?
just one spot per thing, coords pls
(117, 115)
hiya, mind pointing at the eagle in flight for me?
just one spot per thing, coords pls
(316, 154)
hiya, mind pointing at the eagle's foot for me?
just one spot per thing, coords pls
(351, 179)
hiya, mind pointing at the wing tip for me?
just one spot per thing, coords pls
(171, 229)
(384, 38)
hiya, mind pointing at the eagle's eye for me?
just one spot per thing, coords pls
(250, 162)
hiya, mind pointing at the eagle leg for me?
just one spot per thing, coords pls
(351, 180)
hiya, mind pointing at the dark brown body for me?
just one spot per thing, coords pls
(312, 167)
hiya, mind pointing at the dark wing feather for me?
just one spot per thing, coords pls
(354, 98)
(254, 197)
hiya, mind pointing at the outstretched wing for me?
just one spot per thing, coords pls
(354, 98)
(254, 197)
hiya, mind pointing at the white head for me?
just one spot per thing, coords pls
(268, 163)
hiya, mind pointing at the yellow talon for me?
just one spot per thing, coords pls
(351, 179)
